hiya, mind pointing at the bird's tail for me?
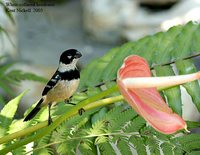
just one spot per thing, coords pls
(34, 111)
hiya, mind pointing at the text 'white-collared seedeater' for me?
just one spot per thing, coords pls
(62, 85)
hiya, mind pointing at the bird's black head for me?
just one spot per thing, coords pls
(69, 55)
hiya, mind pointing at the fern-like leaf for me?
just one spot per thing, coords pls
(119, 122)
(135, 125)
(124, 147)
(172, 93)
(43, 142)
(18, 75)
(167, 148)
(153, 145)
(106, 148)
(187, 67)
(138, 144)
(188, 143)
(7, 114)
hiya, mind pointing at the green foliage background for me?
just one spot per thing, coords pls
(115, 127)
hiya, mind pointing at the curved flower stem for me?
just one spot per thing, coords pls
(159, 82)
(47, 129)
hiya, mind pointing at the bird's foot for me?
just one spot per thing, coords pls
(67, 101)
(81, 111)
(50, 121)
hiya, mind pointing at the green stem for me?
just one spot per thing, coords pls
(23, 132)
(87, 104)
(60, 119)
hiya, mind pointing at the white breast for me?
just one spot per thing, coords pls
(70, 86)
(63, 90)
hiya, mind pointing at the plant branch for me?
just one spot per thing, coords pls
(23, 132)
(58, 120)
(86, 104)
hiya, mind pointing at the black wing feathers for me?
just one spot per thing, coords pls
(68, 75)
(52, 82)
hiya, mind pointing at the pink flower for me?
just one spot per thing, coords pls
(139, 90)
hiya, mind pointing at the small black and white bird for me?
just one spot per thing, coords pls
(62, 85)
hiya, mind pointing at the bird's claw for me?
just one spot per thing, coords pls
(81, 111)
(67, 101)
(50, 121)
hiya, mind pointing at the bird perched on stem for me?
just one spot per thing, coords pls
(62, 85)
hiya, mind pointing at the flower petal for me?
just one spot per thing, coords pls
(147, 102)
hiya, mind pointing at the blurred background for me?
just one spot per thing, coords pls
(36, 38)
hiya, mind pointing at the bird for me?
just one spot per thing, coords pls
(62, 85)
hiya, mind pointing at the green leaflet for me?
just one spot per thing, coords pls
(193, 89)
(96, 68)
(192, 125)
(135, 125)
(21, 150)
(4, 68)
(42, 142)
(193, 153)
(153, 145)
(7, 114)
(2, 102)
(165, 45)
(183, 45)
(18, 76)
(188, 142)
(123, 147)
(173, 94)
(121, 119)
(110, 70)
(106, 148)
(6, 88)
(167, 148)
(138, 144)
(10, 77)
(86, 149)
(99, 115)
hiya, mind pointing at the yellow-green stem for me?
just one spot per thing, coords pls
(87, 104)
(57, 121)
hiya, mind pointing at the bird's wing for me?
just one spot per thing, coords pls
(52, 82)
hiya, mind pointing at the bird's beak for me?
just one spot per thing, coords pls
(78, 54)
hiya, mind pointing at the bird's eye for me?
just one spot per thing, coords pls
(69, 56)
